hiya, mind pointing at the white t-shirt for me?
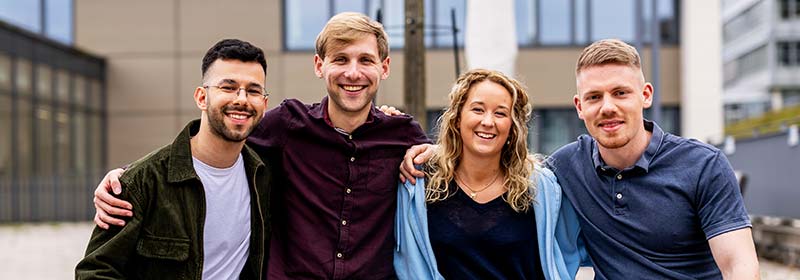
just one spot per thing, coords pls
(226, 234)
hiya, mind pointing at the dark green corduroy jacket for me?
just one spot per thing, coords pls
(164, 238)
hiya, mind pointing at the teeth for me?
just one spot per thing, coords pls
(485, 135)
(237, 116)
(352, 88)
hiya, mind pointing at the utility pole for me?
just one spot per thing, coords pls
(414, 62)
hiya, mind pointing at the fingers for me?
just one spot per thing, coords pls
(99, 222)
(102, 217)
(112, 178)
(389, 110)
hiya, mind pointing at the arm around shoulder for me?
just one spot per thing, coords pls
(109, 251)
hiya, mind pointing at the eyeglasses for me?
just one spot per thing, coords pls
(252, 92)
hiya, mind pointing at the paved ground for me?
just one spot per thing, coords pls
(50, 251)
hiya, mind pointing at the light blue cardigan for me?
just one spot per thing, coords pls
(556, 227)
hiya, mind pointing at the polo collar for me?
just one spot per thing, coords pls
(644, 161)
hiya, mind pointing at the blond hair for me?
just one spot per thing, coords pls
(344, 28)
(515, 161)
(608, 51)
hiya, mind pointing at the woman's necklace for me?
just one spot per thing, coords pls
(474, 193)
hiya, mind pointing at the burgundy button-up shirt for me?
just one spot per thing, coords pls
(335, 195)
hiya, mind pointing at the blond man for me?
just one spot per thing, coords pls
(335, 195)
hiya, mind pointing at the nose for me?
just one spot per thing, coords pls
(241, 96)
(352, 72)
(487, 120)
(608, 107)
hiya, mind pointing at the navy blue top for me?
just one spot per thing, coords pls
(652, 220)
(483, 241)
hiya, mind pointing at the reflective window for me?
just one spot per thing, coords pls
(303, 24)
(749, 19)
(555, 22)
(27, 14)
(526, 24)
(538, 22)
(5, 73)
(23, 77)
(788, 53)
(58, 25)
(24, 14)
(62, 89)
(613, 19)
(44, 83)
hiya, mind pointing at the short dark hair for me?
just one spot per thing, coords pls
(234, 49)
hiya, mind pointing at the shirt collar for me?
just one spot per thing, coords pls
(321, 112)
(644, 161)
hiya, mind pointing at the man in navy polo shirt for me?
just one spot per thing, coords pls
(652, 205)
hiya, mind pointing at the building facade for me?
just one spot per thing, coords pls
(52, 115)
(111, 111)
(761, 56)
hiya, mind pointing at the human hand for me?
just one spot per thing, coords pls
(106, 204)
(417, 154)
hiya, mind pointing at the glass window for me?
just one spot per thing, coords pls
(23, 77)
(783, 53)
(24, 138)
(784, 9)
(58, 23)
(62, 141)
(24, 14)
(44, 140)
(95, 95)
(5, 73)
(581, 17)
(524, 13)
(443, 35)
(555, 24)
(349, 6)
(79, 90)
(557, 127)
(96, 138)
(303, 24)
(78, 163)
(5, 139)
(44, 82)
(613, 19)
(62, 90)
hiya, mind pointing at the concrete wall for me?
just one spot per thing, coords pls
(773, 180)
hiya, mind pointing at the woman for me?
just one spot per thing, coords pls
(486, 209)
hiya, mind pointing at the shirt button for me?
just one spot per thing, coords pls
(350, 137)
(619, 177)
(619, 196)
(352, 159)
(602, 169)
(344, 222)
(348, 190)
(339, 255)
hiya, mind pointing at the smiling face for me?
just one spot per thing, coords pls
(610, 101)
(232, 117)
(485, 120)
(352, 74)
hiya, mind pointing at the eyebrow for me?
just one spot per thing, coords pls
(232, 81)
(502, 106)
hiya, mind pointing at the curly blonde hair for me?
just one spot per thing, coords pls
(515, 161)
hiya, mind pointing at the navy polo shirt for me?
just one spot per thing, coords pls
(652, 220)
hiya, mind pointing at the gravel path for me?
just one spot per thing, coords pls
(51, 251)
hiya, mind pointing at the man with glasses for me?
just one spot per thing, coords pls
(335, 193)
(201, 204)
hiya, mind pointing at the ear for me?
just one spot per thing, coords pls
(647, 94)
(385, 67)
(201, 98)
(578, 107)
(318, 65)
